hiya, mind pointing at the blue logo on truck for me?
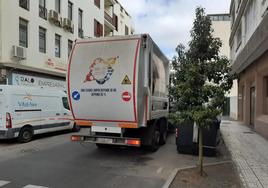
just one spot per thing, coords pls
(76, 95)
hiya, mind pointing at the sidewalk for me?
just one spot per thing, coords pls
(249, 152)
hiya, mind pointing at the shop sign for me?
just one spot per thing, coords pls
(55, 65)
(25, 80)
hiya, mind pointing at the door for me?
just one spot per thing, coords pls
(252, 105)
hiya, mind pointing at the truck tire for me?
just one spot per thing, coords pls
(76, 128)
(155, 141)
(25, 135)
(163, 132)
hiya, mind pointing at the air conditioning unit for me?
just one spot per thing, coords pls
(67, 24)
(54, 17)
(19, 52)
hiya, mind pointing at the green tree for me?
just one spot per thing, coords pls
(201, 79)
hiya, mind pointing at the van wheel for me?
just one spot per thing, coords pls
(25, 135)
(76, 128)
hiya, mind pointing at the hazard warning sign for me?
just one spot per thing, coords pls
(126, 81)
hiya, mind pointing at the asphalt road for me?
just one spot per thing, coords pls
(51, 160)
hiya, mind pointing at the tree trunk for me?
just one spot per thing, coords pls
(200, 153)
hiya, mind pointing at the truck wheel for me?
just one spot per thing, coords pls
(155, 141)
(25, 135)
(76, 128)
(163, 137)
(163, 133)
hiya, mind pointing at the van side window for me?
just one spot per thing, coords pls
(65, 103)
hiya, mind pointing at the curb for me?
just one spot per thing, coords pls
(176, 170)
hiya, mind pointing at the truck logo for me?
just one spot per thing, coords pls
(101, 70)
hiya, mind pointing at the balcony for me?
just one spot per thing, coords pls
(80, 33)
(109, 21)
(42, 12)
(109, 3)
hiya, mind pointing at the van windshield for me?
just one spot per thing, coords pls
(65, 103)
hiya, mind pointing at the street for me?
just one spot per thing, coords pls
(51, 160)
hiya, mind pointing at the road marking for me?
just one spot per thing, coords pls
(2, 183)
(159, 170)
(34, 186)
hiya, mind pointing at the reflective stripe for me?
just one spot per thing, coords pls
(128, 125)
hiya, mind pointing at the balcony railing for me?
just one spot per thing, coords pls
(80, 33)
(42, 12)
(109, 18)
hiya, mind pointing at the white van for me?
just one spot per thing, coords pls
(26, 111)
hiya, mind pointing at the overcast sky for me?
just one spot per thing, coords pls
(169, 21)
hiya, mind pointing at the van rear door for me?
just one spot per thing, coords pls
(102, 80)
(3, 110)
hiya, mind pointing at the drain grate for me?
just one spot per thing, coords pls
(248, 132)
(32, 150)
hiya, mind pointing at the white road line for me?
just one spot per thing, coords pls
(2, 183)
(34, 186)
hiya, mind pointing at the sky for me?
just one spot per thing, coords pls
(169, 21)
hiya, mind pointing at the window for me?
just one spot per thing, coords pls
(42, 40)
(70, 46)
(116, 22)
(226, 18)
(250, 19)
(232, 17)
(80, 23)
(25, 4)
(238, 37)
(65, 103)
(126, 30)
(98, 29)
(23, 33)
(57, 5)
(42, 9)
(97, 3)
(238, 5)
(57, 45)
(70, 10)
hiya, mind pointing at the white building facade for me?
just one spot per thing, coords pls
(221, 24)
(36, 37)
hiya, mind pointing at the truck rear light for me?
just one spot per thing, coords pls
(133, 142)
(76, 138)
(8, 121)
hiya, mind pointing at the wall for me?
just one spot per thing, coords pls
(10, 30)
(255, 76)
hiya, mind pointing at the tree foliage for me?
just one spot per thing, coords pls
(201, 77)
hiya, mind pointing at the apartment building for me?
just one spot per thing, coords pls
(221, 24)
(249, 55)
(117, 19)
(36, 37)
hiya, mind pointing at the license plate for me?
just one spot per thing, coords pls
(105, 140)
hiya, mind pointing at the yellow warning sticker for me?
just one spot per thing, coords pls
(126, 81)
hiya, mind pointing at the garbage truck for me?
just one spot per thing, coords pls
(118, 86)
